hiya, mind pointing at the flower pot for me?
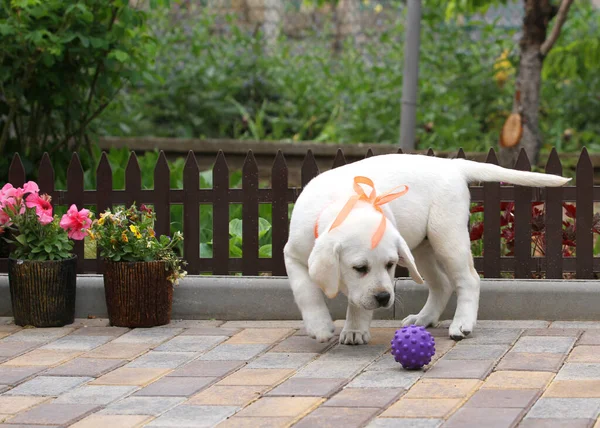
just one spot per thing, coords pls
(138, 294)
(43, 293)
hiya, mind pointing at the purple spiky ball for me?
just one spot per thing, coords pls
(413, 347)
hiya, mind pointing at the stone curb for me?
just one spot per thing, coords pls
(270, 298)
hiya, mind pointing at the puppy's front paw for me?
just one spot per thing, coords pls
(418, 319)
(461, 328)
(321, 331)
(355, 337)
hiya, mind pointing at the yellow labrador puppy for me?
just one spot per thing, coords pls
(345, 236)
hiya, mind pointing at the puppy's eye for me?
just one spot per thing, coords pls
(390, 265)
(361, 269)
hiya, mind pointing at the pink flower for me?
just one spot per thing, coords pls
(42, 205)
(76, 222)
(30, 187)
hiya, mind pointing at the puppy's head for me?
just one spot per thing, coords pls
(342, 259)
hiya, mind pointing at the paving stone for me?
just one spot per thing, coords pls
(12, 349)
(385, 363)
(518, 380)
(460, 369)
(544, 344)
(14, 405)
(481, 324)
(473, 417)
(476, 352)
(191, 343)
(571, 371)
(121, 351)
(443, 388)
(236, 422)
(193, 416)
(27, 426)
(347, 417)
(192, 324)
(48, 385)
(590, 337)
(210, 331)
(281, 407)
(251, 336)
(278, 360)
(531, 362)
(301, 344)
(504, 398)
(491, 336)
(574, 389)
(263, 324)
(206, 369)
(54, 414)
(113, 421)
(405, 423)
(218, 395)
(90, 322)
(585, 325)
(14, 375)
(566, 332)
(95, 394)
(42, 357)
(556, 423)
(308, 387)
(175, 387)
(565, 408)
(162, 360)
(365, 354)
(382, 336)
(334, 340)
(422, 408)
(264, 377)
(38, 335)
(78, 343)
(130, 376)
(148, 336)
(152, 406)
(584, 354)
(364, 397)
(386, 379)
(92, 367)
(331, 369)
(234, 352)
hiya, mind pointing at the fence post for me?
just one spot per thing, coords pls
(220, 215)
(133, 181)
(250, 216)
(309, 168)
(585, 214)
(522, 222)
(340, 159)
(162, 195)
(104, 189)
(16, 171)
(280, 220)
(554, 215)
(191, 214)
(491, 224)
(75, 196)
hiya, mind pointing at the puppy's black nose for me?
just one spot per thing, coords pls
(383, 298)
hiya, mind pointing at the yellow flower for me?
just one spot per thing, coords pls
(151, 232)
(101, 220)
(135, 231)
(378, 8)
(92, 236)
(124, 237)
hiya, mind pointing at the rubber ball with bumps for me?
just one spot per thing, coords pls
(413, 347)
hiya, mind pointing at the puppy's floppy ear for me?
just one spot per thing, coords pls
(407, 260)
(324, 265)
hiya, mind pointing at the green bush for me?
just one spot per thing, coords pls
(213, 85)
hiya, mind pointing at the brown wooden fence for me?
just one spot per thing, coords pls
(220, 196)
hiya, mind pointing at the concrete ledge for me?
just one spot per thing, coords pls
(270, 298)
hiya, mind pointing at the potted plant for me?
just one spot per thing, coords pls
(140, 269)
(42, 271)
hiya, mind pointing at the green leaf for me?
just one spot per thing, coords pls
(263, 227)
(119, 55)
(235, 228)
(21, 239)
(234, 250)
(266, 251)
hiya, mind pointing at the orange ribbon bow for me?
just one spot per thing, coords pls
(373, 199)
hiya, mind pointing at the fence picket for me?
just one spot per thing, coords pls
(461, 154)
(75, 196)
(191, 214)
(369, 153)
(133, 181)
(250, 216)
(430, 152)
(522, 222)
(553, 221)
(280, 221)
(400, 151)
(220, 216)
(309, 168)
(162, 195)
(16, 171)
(46, 176)
(104, 189)
(340, 159)
(585, 214)
(491, 224)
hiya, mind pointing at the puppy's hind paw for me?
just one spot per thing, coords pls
(355, 337)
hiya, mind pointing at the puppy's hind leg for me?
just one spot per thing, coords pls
(310, 301)
(440, 288)
(356, 328)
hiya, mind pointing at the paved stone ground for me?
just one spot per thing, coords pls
(269, 374)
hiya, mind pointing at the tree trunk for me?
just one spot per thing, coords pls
(538, 14)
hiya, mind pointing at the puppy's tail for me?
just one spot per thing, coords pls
(476, 171)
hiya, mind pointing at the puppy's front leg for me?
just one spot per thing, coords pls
(356, 328)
